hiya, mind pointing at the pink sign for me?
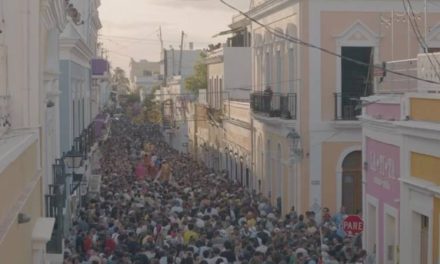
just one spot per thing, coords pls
(383, 171)
(382, 174)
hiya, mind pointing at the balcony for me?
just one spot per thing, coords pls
(347, 107)
(275, 105)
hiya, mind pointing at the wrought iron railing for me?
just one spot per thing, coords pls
(347, 107)
(275, 104)
(54, 208)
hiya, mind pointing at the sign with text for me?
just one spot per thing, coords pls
(353, 224)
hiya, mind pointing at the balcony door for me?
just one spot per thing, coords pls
(356, 79)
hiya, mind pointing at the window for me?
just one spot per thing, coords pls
(146, 73)
(267, 69)
(215, 93)
(279, 72)
(220, 90)
(210, 88)
(291, 59)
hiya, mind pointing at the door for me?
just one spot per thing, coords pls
(356, 80)
(424, 239)
(352, 182)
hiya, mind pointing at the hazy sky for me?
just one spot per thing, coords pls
(130, 27)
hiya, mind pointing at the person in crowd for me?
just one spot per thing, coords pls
(190, 214)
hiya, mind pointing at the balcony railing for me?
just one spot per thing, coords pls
(275, 105)
(54, 208)
(347, 107)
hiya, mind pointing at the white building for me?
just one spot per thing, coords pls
(29, 92)
(178, 63)
(175, 101)
(78, 46)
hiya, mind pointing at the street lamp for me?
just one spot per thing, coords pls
(296, 150)
(73, 160)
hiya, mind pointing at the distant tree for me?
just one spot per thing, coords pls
(199, 80)
(120, 80)
(154, 89)
(152, 110)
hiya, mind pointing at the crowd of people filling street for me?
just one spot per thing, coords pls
(157, 205)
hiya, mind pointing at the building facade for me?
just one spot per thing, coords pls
(400, 164)
(381, 159)
(28, 99)
(316, 96)
(144, 75)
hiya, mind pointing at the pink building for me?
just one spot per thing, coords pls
(381, 176)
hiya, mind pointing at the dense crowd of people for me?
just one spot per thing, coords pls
(159, 206)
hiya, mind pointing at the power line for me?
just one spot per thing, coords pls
(309, 45)
(146, 39)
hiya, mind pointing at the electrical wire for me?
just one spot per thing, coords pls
(122, 38)
(309, 45)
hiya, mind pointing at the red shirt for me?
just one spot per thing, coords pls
(110, 246)
(87, 243)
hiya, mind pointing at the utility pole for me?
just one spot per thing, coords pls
(181, 50)
(160, 38)
(426, 27)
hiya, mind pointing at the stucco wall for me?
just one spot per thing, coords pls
(16, 246)
(425, 109)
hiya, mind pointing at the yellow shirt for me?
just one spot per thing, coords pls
(189, 236)
(251, 222)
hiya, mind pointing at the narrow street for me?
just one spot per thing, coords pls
(174, 210)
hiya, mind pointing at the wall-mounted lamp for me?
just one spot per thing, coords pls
(50, 104)
(23, 218)
(366, 165)
(296, 150)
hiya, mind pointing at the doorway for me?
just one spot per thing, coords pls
(424, 235)
(357, 79)
(352, 182)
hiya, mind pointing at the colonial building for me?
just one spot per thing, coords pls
(401, 163)
(28, 130)
(144, 75)
(382, 173)
(306, 133)
(226, 140)
(80, 102)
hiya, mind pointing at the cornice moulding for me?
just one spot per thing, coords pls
(53, 14)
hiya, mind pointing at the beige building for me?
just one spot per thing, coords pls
(29, 69)
(144, 75)
(224, 138)
(143, 68)
(307, 136)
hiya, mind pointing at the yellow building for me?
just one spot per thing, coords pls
(22, 230)
(315, 96)
(420, 192)
(29, 66)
